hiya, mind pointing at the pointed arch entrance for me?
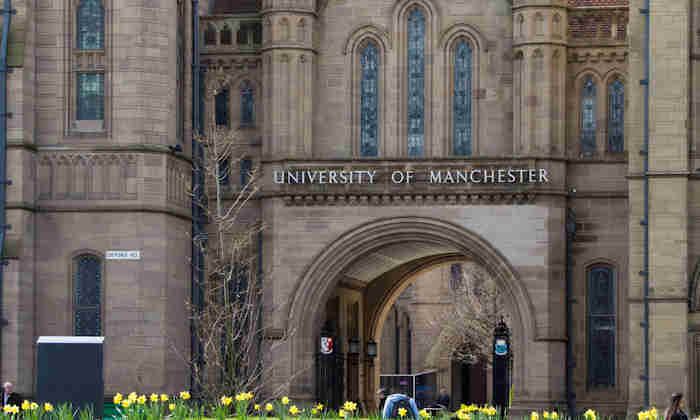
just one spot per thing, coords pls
(440, 242)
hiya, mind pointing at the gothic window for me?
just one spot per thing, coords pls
(87, 295)
(224, 171)
(462, 99)
(416, 83)
(601, 327)
(242, 35)
(226, 36)
(90, 96)
(91, 25)
(369, 102)
(539, 24)
(210, 35)
(616, 116)
(246, 168)
(455, 276)
(247, 103)
(221, 106)
(588, 115)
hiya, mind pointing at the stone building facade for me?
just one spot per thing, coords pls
(101, 94)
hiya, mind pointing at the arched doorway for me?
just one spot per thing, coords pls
(389, 252)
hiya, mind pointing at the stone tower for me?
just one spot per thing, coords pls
(539, 71)
(289, 61)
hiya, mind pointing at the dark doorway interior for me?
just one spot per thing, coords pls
(468, 384)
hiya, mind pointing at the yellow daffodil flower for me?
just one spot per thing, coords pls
(48, 407)
(349, 406)
(256, 407)
(185, 395)
(285, 400)
(15, 409)
(654, 413)
(133, 397)
(171, 406)
(555, 415)
(589, 414)
(249, 395)
(293, 410)
(33, 406)
(154, 397)
(534, 415)
(402, 412)
(463, 415)
(118, 399)
(545, 415)
(164, 397)
(126, 403)
(424, 414)
(319, 407)
(268, 407)
(141, 399)
(7, 409)
(341, 413)
(226, 400)
(314, 411)
(25, 405)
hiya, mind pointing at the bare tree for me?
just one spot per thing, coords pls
(467, 325)
(228, 306)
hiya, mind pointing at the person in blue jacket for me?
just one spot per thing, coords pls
(396, 401)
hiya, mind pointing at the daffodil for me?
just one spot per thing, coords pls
(256, 407)
(154, 397)
(118, 398)
(171, 406)
(555, 415)
(534, 415)
(226, 400)
(293, 410)
(285, 400)
(48, 407)
(141, 399)
(7, 409)
(133, 397)
(654, 413)
(349, 406)
(25, 405)
(589, 414)
(14, 409)
(126, 403)
(463, 415)
(402, 412)
(268, 407)
(185, 395)
(249, 395)
(341, 413)
(164, 397)
(33, 406)
(424, 414)
(319, 407)
(314, 411)
(545, 415)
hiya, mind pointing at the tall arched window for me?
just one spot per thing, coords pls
(601, 327)
(616, 116)
(87, 295)
(369, 101)
(221, 107)
(588, 115)
(462, 99)
(91, 25)
(226, 36)
(247, 103)
(416, 83)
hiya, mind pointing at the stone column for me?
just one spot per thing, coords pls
(289, 60)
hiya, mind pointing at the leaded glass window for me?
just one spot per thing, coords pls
(616, 116)
(369, 103)
(462, 99)
(91, 25)
(90, 96)
(87, 299)
(416, 83)
(588, 117)
(221, 107)
(247, 103)
(601, 327)
(246, 167)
